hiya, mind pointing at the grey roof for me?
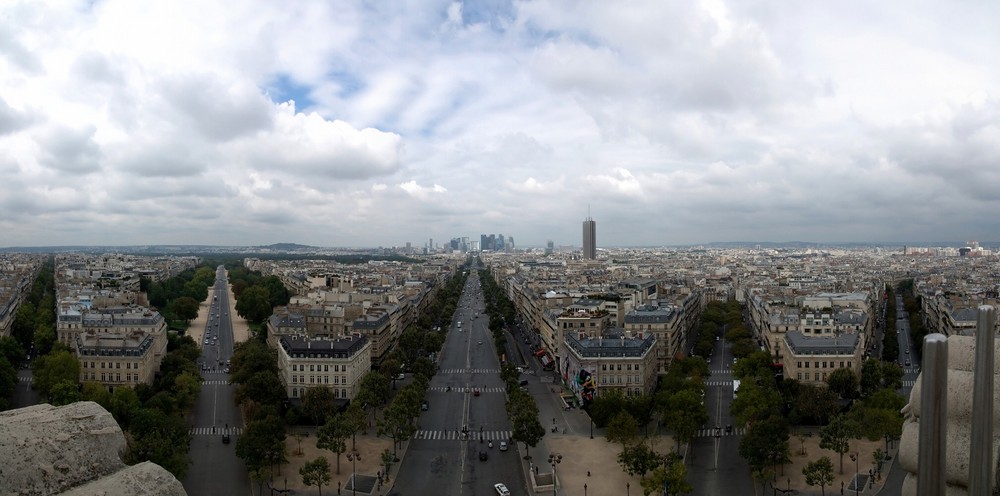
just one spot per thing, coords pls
(610, 347)
(323, 348)
(802, 344)
(649, 314)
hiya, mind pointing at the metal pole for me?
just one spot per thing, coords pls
(980, 456)
(933, 413)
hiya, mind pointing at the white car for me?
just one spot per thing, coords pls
(501, 489)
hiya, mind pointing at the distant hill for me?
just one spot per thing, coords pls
(287, 247)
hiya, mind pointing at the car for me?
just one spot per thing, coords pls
(483, 456)
(503, 445)
(225, 438)
(475, 391)
(907, 362)
(523, 383)
(501, 489)
(907, 351)
(401, 376)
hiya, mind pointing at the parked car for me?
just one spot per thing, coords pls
(501, 489)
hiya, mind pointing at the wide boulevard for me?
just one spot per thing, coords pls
(444, 456)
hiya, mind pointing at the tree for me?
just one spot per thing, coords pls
(316, 473)
(836, 436)
(254, 304)
(8, 381)
(396, 425)
(332, 436)
(819, 473)
(815, 403)
(684, 412)
(318, 402)
(843, 382)
(185, 308)
(357, 421)
(671, 475)
(373, 392)
(755, 402)
(11, 349)
(639, 459)
(765, 443)
(262, 443)
(52, 369)
(622, 428)
(64, 392)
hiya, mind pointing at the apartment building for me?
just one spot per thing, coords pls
(336, 363)
(665, 324)
(616, 359)
(377, 324)
(117, 359)
(811, 358)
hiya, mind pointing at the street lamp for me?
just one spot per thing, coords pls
(857, 468)
(554, 459)
(591, 426)
(584, 489)
(626, 488)
(354, 457)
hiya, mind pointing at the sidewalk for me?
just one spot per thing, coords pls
(367, 468)
(793, 479)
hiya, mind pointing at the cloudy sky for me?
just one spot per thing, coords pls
(380, 123)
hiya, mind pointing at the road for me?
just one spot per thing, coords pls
(215, 469)
(441, 459)
(714, 463)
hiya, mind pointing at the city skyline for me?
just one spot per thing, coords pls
(208, 123)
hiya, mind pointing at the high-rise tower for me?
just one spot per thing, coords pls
(589, 239)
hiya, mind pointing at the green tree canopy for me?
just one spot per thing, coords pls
(316, 473)
(622, 428)
(52, 369)
(836, 436)
(843, 382)
(819, 473)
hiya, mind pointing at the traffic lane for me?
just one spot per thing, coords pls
(214, 468)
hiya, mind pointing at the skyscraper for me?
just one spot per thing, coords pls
(589, 239)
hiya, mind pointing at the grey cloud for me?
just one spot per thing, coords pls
(11, 120)
(163, 160)
(96, 67)
(71, 151)
(216, 111)
(12, 50)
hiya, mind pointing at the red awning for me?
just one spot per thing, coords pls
(539, 352)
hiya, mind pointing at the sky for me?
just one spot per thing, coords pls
(361, 124)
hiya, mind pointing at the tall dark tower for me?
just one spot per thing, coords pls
(589, 239)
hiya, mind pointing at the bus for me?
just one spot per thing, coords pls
(736, 387)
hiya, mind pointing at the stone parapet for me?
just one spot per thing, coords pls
(69, 449)
(961, 361)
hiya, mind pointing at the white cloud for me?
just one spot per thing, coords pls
(675, 122)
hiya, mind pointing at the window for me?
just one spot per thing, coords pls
(312, 368)
(816, 376)
(807, 364)
(798, 376)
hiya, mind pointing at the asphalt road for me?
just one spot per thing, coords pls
(714, 463)
(441, 459)
(215, 469)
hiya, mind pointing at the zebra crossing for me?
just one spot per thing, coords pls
(24, 379)
(737, 431)
(467, 389)
(909, 383)
(455, 435)
(215, 431)
(469, 371)
(718, 383)
(721, 371)
(215, 383)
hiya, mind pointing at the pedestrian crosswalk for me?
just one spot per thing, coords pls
(24, 379)
(721, 371)
(214, 383)
(718, 383)
(456, 435)
(214, 431)
(469, 371)
(722, 432)
(909, 383)
(467, 389)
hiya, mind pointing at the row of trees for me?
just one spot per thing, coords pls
(499, 309)
(890, 343)
(34, 325)
(918, 331)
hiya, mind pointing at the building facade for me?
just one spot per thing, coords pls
(337, 364)
(589, 239)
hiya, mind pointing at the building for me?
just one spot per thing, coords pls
(811, 358)
(116, 359)
(618, 359)
(116, 346)
(589, 239)
(338, 364)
